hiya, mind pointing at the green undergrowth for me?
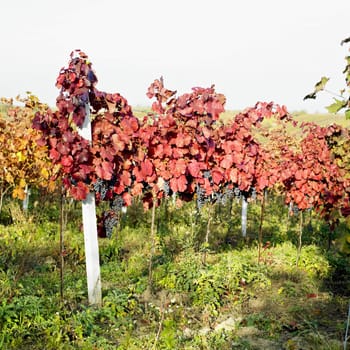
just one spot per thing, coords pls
(229, 300)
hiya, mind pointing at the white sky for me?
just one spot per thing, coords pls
(252, 50)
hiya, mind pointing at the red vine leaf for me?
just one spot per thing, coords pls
(80, 191)
(194, 169)
(104, 170)
(178, 184)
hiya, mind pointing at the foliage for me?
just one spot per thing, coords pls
(23, 162)
(179, 152)
(316, 179)
(342, 102)
(181, 148)
(206, 286)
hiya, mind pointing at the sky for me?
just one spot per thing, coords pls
(252, 50)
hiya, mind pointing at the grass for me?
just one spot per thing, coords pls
(323, 119)
(231, 302)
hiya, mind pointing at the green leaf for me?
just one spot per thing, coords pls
(347, 114)
(311, 95)
(318, 87)
(321, 84)
(336, 106)
(345, 41)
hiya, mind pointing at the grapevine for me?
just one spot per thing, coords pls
(182, 148)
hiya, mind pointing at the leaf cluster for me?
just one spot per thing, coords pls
(23, 160)
(181, 147)
(342, 102)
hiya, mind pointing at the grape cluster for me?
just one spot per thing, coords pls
(166, 188)
(237, 192)
(110, 219)
(73, 181)
(201, 197)
(293, 209)
(101, 187)
(228, 193)
(216, 197)
(206, 174)
(223, 197)
(117, 204)
(253, 193)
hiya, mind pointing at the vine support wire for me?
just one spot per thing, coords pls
(347, 329)
(90, 230)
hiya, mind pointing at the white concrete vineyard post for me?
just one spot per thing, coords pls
(244, 216)
(90, 231)
(25, 203)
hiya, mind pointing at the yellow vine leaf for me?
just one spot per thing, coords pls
(20, 156)
(18, 192)
(52, 186)
(22, 183)
(9, 178)
(44, 173)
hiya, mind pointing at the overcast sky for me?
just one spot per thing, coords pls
(252, 50)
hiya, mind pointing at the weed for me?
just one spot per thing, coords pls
(283, 304)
